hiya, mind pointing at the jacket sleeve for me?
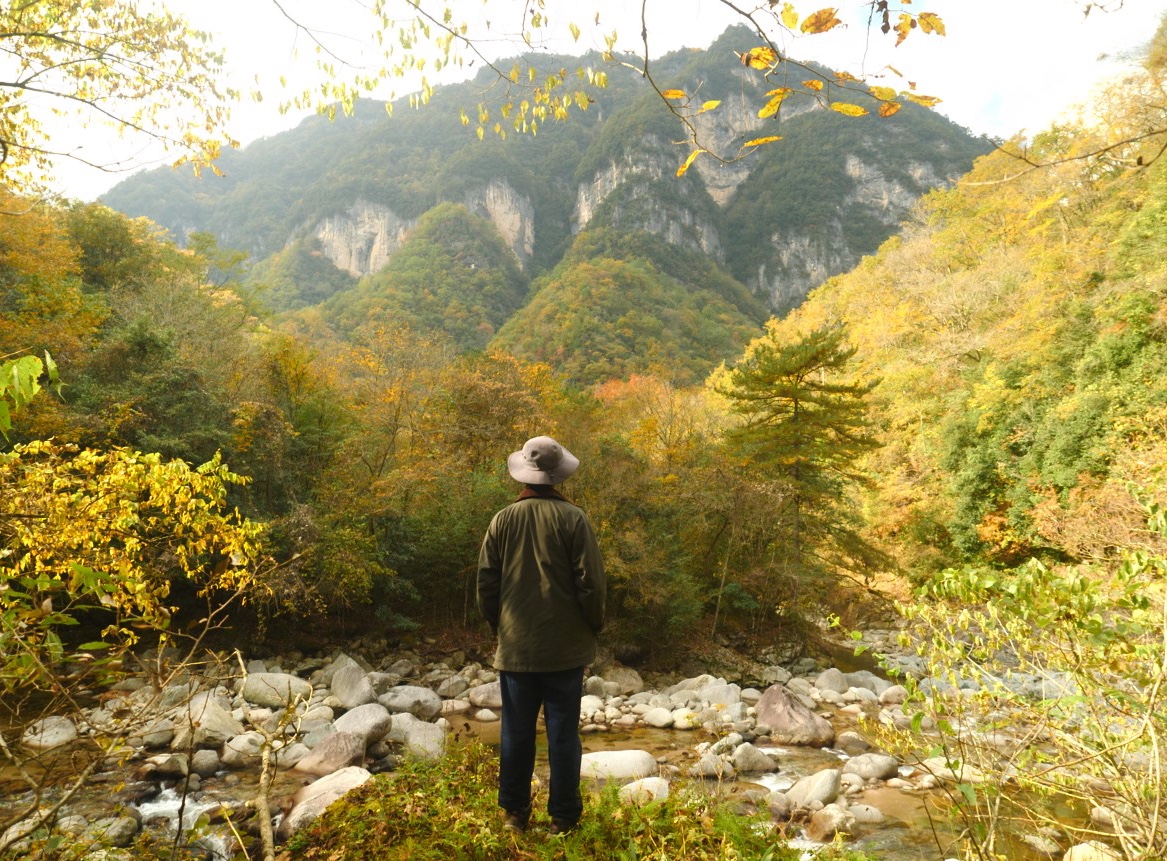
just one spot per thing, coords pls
(489, 577)
(591, 584)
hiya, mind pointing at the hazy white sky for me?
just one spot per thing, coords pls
(1005, 65)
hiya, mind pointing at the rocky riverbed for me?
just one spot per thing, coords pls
(791, 741)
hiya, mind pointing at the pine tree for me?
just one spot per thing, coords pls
(804, 430)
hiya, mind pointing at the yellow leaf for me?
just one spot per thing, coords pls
(789, 16)
(884, 94)
(674, 94)
(821, 21)
(886, 109)
(683, 169)
(931, 23)
(711, 104)
(926, 101)
(777, 97)
(762, 57)
(848, 110)
(574, 32)
(903, 27)
(760, 141)
(845, 78)
(817, 86)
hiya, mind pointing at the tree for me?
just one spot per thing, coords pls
(104, 61)
(803, 432)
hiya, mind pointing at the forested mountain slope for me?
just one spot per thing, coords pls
(781, 220)
(1018, 331)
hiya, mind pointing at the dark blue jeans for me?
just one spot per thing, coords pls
(559, 694)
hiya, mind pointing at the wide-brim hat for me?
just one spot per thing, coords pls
(542, 461)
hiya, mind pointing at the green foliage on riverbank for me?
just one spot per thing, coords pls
(435, 811)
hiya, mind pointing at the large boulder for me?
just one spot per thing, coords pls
(371, 721)
(48, 733)
(751, 760)
(313, 799)
(420, 702)
(822, 786)
(644, 791)
(351, 687)
(619, 765)
(627, 680)
(203, 721)
(488, 696)
(275, 690)
(339, 750)
(873, 766)
(790, 721)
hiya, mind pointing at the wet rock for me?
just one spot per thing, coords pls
(166, 765)
(205, 762)
(826, 823)
(749, 759)
(779, 806)
(821, 787)
(116, 831)
(712, 767)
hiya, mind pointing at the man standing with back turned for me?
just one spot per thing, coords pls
(542, 588)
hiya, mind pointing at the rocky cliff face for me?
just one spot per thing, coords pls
(636, 176)
(363, 238)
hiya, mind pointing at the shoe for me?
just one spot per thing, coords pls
(517, 820)
(560, 826)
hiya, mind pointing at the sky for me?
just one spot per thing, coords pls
(1005, 66)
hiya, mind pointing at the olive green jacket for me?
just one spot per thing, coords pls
(541, 585)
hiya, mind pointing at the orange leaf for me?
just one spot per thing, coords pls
(683, 169)
(817, 86)
(886, 109)
(674, 94)
(762, 57)
(760, 141)
(848, 110)
(821, 21)
(777, 97)
(931, 23)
